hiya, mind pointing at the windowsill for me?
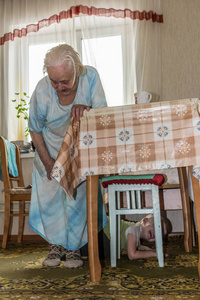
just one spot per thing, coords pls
(27, 155)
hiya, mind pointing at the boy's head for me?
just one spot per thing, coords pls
(148, 232)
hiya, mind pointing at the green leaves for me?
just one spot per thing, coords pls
(23, 108)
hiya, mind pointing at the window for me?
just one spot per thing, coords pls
(108, 62)
(36, 61)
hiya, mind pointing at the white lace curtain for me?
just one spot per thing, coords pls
(27, 22)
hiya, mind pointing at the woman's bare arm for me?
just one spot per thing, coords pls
(41, 148)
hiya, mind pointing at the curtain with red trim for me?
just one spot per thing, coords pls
(82, 10)
(25, 22)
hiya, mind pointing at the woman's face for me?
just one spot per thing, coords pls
(62, 79)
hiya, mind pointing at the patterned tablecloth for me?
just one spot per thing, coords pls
(130, 138)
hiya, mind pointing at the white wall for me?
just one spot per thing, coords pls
(180, 46)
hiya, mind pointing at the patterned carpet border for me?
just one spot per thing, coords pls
(23, 277)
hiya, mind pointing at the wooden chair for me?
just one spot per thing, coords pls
(19, 194)
(133, 186)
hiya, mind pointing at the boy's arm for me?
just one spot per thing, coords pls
(145, 248)
(133, 252)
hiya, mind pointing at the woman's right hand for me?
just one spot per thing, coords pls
(41, 148)
(49, 166)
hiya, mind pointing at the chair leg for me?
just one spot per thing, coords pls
(21, 222)
(6, 222)
(157, 225)
(192, 224)
(196, 187)
(119, 204)
(186, 209)
(113, 229)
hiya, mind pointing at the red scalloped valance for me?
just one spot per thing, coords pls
(85, 10)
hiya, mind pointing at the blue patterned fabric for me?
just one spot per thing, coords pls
(11, 159)
(53, 214)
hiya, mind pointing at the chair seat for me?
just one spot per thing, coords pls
(157, 179)
(17, 191)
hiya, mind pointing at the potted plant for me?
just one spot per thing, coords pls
(23, 108)
(22, 111)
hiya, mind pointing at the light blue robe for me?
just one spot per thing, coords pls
(52, 214)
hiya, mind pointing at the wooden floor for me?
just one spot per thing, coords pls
(27, 238)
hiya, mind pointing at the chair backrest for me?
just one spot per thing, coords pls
(7, 178)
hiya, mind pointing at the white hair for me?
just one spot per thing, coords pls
(58, 55)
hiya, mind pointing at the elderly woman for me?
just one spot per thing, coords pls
(67, 90)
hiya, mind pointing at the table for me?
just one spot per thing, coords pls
(130, 138)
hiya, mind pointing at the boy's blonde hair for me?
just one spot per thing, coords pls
(166, 224)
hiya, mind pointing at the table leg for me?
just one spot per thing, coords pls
(186, 208)
(196, 193)
(92, 225)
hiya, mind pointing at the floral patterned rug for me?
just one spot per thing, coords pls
(22, 276)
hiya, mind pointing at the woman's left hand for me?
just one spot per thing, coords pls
(77, 111)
